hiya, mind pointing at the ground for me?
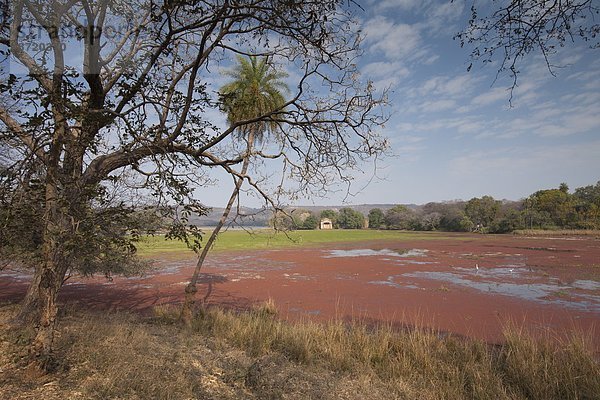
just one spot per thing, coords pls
(464, 284)
(339, 324)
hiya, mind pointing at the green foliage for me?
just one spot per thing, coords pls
(482, 211)
(454, 219)
(255, 92)
(510, 220)
(21, 213)
(376, 218)
(557, 208)
(180, 228)
(350, 219)
(401, 217)
(431, 221)
(103, 238)
(331, 214)
(283, 222)
(296, 219)
(544, 209)
(587, 205)
(311, 222)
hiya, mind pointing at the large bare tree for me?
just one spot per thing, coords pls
(96, 92)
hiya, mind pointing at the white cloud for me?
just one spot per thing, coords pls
(436, 125)
(395, 41)
(386, 83)
(384, 69)
(440, 18)
(470, 126)
(585, 75)
(513, 161)
(400, 4)
(491, 96)
(572, 123)
(586, 98)
(455, 86)
(409, 138)
(432, 106)
(570, 60)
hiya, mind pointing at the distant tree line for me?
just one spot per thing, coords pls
(345, 218)
(544, 209)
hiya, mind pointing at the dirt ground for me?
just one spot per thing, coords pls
(470, 285)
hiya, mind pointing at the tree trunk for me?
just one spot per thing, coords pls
(187, 309)
(43, 344)
(47, 282)
(29, 313)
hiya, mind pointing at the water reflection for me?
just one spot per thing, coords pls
(553, 292)
(372, 252)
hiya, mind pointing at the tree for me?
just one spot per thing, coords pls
(401, 217)
(587, 204)
(510, 220)
(311, 222)
(376, 218)
(431, 221)
(121, 93)
(520, 27)
(589, 194)
(554, 207)
(330, 214)
(256, 90)
(482, 211)
(350, 219)
(282, 221)
(455, 220)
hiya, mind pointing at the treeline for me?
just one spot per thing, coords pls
(545, 209)
(346, 218)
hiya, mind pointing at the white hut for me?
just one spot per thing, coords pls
(326, 223)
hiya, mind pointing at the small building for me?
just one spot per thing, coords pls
(326, 223)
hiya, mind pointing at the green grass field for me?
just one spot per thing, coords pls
(269, 239)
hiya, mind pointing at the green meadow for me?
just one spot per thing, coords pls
(269, 239)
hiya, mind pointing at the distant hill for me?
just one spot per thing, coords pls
(363, 208)
(244, 216)
(259, 217)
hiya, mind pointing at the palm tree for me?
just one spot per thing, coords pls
(256, 90)
(251, 99)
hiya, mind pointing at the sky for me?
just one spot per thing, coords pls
(455, 134)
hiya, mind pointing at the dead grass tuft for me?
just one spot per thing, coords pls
(542, 369)
(418, 361)
(232, 355)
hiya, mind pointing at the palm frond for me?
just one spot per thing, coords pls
(255, 92)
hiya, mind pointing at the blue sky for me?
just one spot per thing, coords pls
(453, 133)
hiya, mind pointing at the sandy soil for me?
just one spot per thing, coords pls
(469, 285)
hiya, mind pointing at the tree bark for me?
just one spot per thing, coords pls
(29, 312)
(47, 282)
(43, 344)
(187, 314)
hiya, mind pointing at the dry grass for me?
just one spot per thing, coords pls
(417, 363)
(251, 355)
(554, 233)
